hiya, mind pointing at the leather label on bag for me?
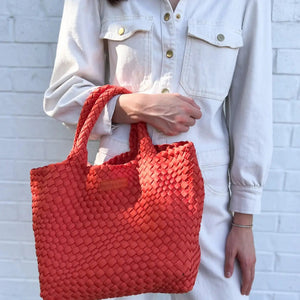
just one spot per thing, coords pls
(113, 184)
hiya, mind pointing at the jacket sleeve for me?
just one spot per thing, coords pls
(249, 111)
(79, 67)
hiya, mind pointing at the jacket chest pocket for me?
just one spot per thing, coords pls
(129, 47)
(209, 61)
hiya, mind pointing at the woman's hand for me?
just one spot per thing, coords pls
(168, 113)
(240, 246)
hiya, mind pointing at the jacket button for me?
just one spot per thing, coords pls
(167, 17)
(165, 91)
(178, 16)
(121, 31)
(169, 54)
(220, 37)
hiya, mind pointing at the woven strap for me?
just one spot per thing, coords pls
(92, 108)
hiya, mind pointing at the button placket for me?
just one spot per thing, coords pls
(171, 26)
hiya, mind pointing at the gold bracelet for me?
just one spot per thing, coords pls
(241, 226)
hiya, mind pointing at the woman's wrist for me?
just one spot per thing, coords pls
(242, 220)
(128, 109)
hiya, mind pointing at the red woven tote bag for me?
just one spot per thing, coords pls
(126, 227)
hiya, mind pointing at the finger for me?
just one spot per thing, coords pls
(252, 279)
(182, 128)
(194, 112)
(176, 130)
(229, 262)
(189, 100)
(191, 121)
(246, 279)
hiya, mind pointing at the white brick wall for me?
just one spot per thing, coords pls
(28, 35)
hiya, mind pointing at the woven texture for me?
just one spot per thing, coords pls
(126, 227)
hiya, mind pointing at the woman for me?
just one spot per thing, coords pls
(199, 71)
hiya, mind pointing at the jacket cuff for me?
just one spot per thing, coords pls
(245, 199)
(104, 124)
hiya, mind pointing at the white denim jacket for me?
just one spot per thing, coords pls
(216, 51)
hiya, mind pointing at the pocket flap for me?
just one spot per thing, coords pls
(122, 29)
(217, 35)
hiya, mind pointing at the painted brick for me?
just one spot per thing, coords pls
(280, 202)
(25, 55)
(8, 148)
(285, 87)
(28, 251)
(265, 261)
(31, 80)
(265, 222)
(18, 298)
(277, 282)
(21, 104)
(286, 10)
(8, 212)
(287, 263)
(24, 212)
(5, 80)
(6, 29)
(296, 137)
(13, 231)
(7, 169)
(25, 8)
(288, 61)
(10, 250)
(18, 269)
(7, 127)
(289, 223)
(17, 288)
(295, 113)
(29, 127)
(46, 29)
(22, 149)
(282, 135)
(269, 242)
(286, 112)
(275, 181)
(281, 111)
(260, 296)
(3, 8)
(274, 61)
(57, 150)
(292, 181)
(285, 35)
(286, 159)
(286, 296)
(53, 48)
(53, 8)
(14, 191)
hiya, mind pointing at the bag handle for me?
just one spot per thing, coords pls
(139, 140)
(87, 107)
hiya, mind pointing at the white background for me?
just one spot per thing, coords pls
(28, 36)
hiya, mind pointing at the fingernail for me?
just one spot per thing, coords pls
(228, 274)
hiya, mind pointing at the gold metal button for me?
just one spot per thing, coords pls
(121, 31)
(170, 54)
(178, 16)
(220, 37)
(167, 17)
(165, 91)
